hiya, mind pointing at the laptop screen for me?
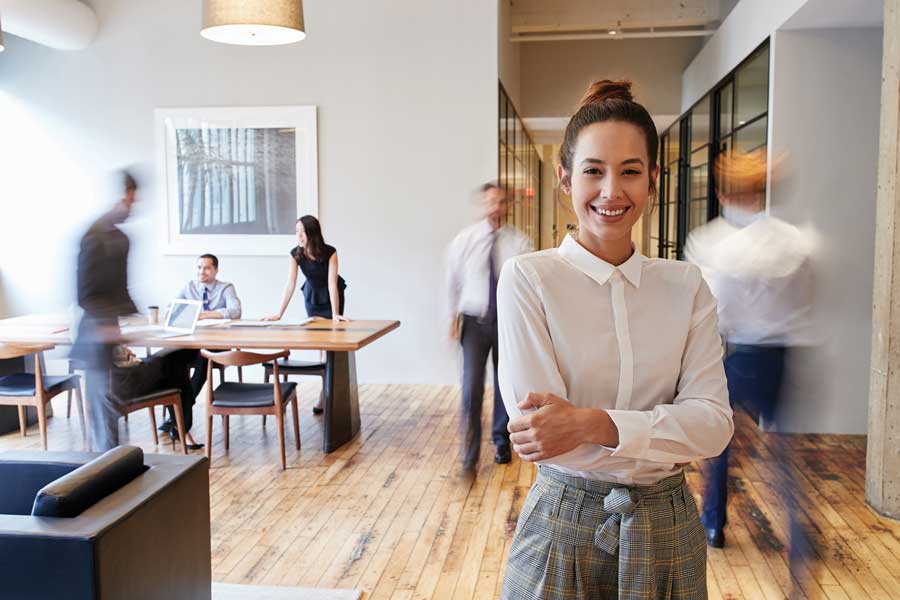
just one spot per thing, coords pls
(182, 315)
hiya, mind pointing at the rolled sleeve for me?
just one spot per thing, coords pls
(232, 308)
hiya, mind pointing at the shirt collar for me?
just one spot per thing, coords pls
(598, 269)
(739, 217)
(210, 286)
(487, 229)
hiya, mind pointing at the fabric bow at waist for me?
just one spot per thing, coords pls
(628, 531)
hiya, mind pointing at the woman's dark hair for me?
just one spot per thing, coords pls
(315, 244)
(608, 100)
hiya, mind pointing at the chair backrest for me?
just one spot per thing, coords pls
(17, 350)
(240, 358)
(20, 350)
(72, 494)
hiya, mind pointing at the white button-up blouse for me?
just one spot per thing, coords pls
(640, 341)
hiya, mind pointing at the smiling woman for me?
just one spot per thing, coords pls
(611, 372)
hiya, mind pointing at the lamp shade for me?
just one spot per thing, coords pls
(253, 22)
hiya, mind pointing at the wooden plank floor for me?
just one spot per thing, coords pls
(388, 513)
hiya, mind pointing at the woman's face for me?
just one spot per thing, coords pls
(301, 234)
(610, 180)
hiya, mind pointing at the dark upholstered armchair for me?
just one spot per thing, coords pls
(80, 525)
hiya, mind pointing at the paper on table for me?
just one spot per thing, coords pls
(212, 322)
(291, 322)
(281, 323)
(129, 329)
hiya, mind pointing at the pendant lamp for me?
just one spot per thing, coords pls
(253, 22)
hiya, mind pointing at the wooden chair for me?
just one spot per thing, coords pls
(289, 367)
(235, 398)
(74, 365)
(36, 389)
(219, 368)
(167, 397)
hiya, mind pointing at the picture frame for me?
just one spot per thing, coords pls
(236, 179)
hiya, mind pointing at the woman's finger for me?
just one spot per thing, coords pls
(532, 457)
(519, 424)
(527, 448)
(522, 437)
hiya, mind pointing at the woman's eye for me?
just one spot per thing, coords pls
(592, 172)
(632, 172)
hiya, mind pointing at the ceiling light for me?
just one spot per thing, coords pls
(612, 32)
(253, 22)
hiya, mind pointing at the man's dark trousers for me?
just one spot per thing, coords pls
(479, 338)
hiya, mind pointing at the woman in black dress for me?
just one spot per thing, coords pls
(323, 290)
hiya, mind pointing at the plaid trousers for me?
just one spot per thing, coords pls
(579, 538)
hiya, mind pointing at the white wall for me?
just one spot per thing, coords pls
(824, 119)
(745, 28)
(407, 98)
(555, 75)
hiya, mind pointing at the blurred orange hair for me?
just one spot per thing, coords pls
(742, 173)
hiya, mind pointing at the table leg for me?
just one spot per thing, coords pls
(341, 400)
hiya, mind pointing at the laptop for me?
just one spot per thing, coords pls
(180, 320)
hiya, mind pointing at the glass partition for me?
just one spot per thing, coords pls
(520, 168)
(731, 118)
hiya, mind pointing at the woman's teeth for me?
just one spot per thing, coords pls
(609, 213)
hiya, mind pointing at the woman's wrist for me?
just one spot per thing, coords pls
(597, 427)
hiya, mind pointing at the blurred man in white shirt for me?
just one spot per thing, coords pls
(475, 258)
(758, 268)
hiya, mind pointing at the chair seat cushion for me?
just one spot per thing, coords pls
(249, 395)
(146, 397)
(297, 367)
(72, 494)
(22, 384)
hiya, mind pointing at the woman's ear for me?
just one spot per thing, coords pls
(565, 180)
(654, 178)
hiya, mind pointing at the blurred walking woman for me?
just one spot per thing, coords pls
(611, 371)
(323, 290)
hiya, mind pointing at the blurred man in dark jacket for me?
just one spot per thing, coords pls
(103, 296)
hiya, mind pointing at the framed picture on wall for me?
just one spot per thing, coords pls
(236, 179)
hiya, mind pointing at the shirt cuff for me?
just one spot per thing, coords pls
(634, 433)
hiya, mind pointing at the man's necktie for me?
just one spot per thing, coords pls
(492, 285)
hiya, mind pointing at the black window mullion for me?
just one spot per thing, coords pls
(684, 176)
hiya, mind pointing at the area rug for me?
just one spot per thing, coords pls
(230, 591)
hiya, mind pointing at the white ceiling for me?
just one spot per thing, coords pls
(831, 14)
(531, 16)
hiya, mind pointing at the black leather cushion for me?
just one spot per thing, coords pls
(74, 493)
(145, 397)
(245, 395)
(22, 384)
(297, 367)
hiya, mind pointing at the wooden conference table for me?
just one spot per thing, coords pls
(339, 340)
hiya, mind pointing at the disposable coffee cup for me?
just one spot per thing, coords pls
(153, 315)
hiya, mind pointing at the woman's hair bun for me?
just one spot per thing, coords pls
(606, 89)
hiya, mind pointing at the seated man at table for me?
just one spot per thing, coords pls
(220, 301)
